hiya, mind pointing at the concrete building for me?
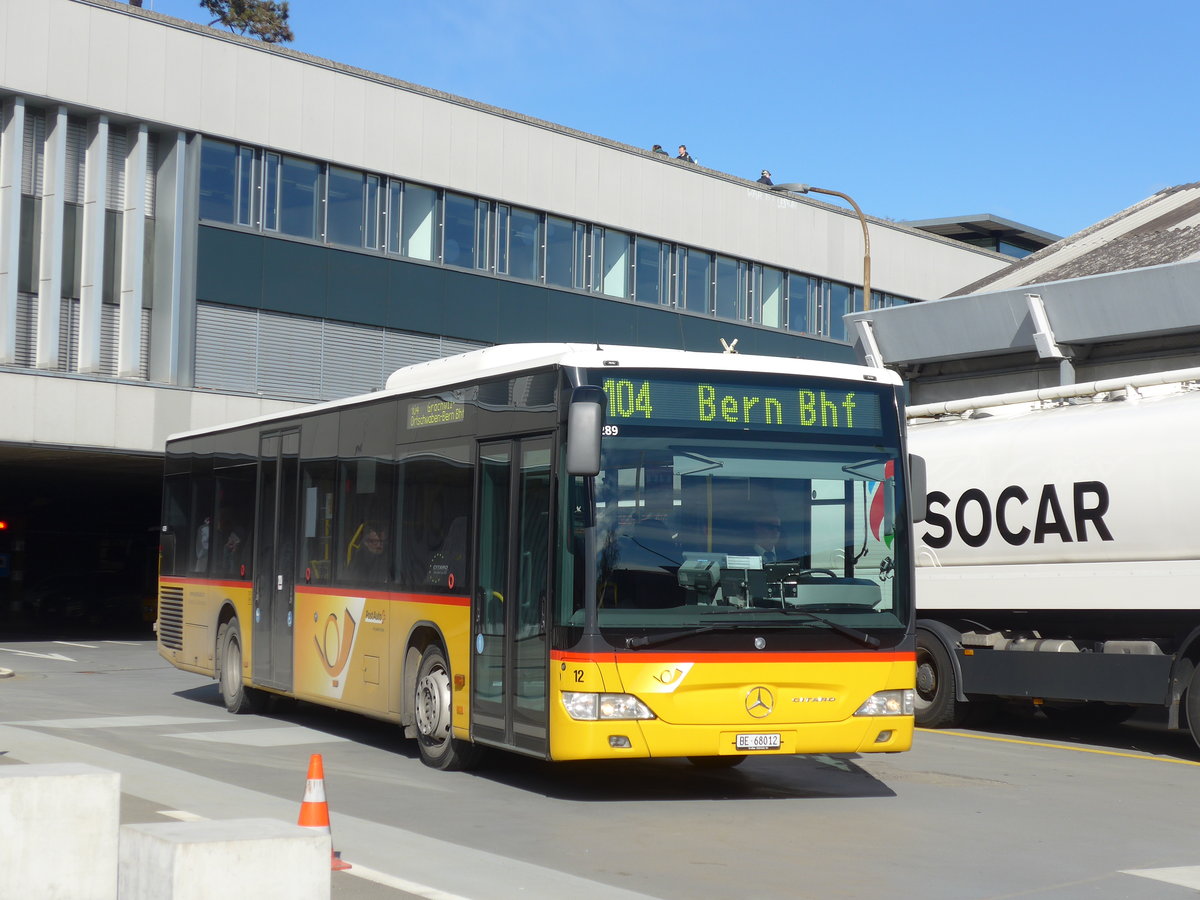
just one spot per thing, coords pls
(196, 228)
(1117, 299)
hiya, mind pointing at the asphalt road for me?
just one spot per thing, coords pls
(1024, 809)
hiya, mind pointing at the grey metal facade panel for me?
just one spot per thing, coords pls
(118, 147)
(33, 153)
(26, 330)
(76, 153)
(351, 360)
(289, 357)
(226, 348)
(151, 167)
(401, 349)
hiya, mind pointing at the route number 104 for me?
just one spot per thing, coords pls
(626, 400)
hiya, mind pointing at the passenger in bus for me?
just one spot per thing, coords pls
(684, 155)
(657, 148)
(231, 544)
(203, 537)
(369, 562)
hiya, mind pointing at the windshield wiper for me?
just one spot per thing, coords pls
(854, 634)
(653, 640)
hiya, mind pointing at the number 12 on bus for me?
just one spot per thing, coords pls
(564, 551)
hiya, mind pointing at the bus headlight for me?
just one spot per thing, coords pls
(593, 707)
(888, 703)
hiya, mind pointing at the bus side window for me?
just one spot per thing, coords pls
(317, 506)
(433, 511)
(364, 545)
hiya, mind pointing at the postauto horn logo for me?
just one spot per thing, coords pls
(876, 512)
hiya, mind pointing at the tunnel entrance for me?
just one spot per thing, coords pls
(78, 542)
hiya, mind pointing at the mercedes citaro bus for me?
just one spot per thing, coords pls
(565, 551)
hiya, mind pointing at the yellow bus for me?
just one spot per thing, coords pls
(566, 551)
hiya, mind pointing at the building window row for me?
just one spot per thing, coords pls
(275, 193)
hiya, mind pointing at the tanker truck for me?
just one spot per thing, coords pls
(1059, 560)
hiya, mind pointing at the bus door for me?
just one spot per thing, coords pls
(513, 557)
(275, 558)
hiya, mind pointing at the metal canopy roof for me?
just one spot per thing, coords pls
(984, 225)
(1082, 311)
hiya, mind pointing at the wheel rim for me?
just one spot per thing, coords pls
(433, 705)
(927, 680)
(233, 666)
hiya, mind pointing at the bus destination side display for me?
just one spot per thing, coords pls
(713, 404)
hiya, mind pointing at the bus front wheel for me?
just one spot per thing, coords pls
(236, 695)
(431, 708)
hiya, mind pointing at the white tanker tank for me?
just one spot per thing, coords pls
(1059, 558)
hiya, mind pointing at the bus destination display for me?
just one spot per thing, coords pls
(637, 399)
(425, 413)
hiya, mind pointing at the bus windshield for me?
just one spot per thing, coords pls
(707, 529)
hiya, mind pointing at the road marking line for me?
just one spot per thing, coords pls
(400, 884)
(117, 722)
(289, 736)
(1184, 876)
(181, 815)
(71, 644)
(1004, 740)
(125, 643)
(57, 656)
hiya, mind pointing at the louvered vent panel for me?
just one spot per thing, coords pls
(226, 348)
(117, 146)
(170, 617)
(351, 361)
(289, 357)
(33, 152)
(76, 154)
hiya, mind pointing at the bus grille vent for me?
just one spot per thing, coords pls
(170, 617)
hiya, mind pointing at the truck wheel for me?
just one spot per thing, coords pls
(937, 704)
(431, 705)
(1192, 704)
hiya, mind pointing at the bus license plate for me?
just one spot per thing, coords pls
(758, 742)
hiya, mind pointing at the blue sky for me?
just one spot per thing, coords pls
(1055, 113)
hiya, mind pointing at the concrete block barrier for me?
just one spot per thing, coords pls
(59, 824)
(260, 858)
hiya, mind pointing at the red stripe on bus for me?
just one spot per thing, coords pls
(717, 656)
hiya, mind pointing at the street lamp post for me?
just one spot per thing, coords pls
(797, 188)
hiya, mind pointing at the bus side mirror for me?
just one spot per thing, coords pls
(585, 418)
(917, 503)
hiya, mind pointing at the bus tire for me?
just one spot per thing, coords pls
(1192, 704)
(431, 707)
(238, 698)
(937, 703)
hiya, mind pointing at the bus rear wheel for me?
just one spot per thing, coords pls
(431, 709)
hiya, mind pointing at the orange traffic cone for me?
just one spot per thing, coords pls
(314, 811)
